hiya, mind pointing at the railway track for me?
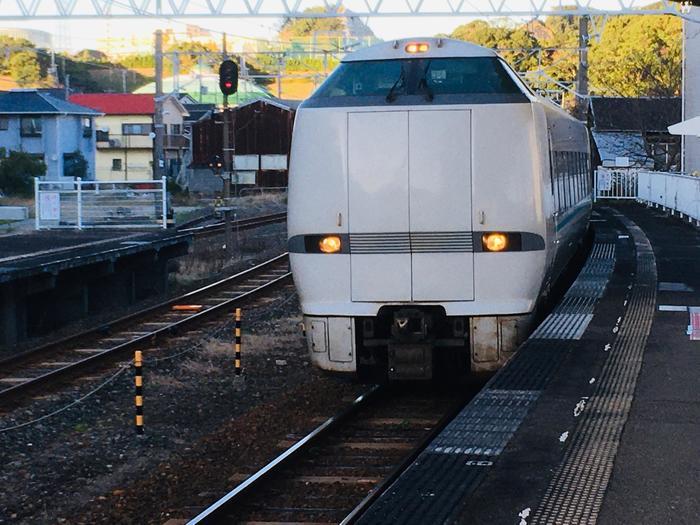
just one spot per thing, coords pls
(25, 372)
(219, 227)
(332, 474)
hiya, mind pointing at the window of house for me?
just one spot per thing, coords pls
(175, 129)
(102, 136)
(30, 127)
(136, 129)
(4, 123)
(116, 164)
(87, 127)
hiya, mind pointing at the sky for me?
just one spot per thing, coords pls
(76, 35)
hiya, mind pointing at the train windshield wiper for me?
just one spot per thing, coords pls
(400, 82)
(423, 84)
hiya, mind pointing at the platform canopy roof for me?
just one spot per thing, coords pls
(687, 127)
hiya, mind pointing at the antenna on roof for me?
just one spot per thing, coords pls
(439, 42)
(396, 44)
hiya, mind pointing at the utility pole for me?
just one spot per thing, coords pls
(582, 73)
(124, 71)
(158, 117)
(53, 70)
(226, 137)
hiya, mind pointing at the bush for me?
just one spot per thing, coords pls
(17, 173)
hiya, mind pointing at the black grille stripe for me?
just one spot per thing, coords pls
(414, 242)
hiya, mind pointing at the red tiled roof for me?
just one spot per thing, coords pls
(117, 103)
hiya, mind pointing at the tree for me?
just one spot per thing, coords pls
(638, 56)
(301, 27)
(515, 45)
(17, 172)
(19, 60)
(75, 165)
(188, 53)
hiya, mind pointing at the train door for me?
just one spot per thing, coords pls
(442, 257)
(380, 257)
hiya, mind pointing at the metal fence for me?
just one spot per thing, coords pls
(674, 191)
(100, 204)
(620, 183)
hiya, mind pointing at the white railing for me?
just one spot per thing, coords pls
(677, 192)
(78, 204)
(618, 183)
(673, 191)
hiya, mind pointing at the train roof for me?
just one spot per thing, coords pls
(438, 48)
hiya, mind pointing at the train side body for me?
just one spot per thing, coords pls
(411, 191)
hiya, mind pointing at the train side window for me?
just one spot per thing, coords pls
(560, 182)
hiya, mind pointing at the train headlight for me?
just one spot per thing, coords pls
(494, 242)
(329, 244)
(417, 47)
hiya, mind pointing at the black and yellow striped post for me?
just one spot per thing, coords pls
(237, 356)
(138, 381)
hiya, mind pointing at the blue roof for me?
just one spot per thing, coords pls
(22, 102)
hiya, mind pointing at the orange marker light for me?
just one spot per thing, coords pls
(187, 307)
(329, 244)
(495, 242)
(417, 47)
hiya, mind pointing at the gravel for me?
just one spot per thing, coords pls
(204, 427)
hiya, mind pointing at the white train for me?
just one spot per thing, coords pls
(433, 201)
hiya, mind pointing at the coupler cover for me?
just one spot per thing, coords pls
(410, 361)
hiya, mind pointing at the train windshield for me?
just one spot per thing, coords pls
(420, 77)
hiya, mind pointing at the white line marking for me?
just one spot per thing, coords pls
(592, 380)
(523, 515)
(564, 437)
(607, 347)
(672, 308)
(578, 409)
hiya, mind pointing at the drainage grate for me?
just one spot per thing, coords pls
(575, 493)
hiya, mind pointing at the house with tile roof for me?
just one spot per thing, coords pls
(634, 132)
(125, 131)
(55, 130)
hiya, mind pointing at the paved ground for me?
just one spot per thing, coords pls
(601, 426)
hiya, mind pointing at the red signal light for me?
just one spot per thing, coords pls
(228, 84)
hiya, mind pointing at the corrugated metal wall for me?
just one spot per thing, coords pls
(260, 129)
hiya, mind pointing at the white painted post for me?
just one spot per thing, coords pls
(79, 184)
(165, 202)
(36, 203)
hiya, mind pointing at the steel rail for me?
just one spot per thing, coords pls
(386, 482)
(240, 224)
(215, 511)
(149, 337)
(105, 327)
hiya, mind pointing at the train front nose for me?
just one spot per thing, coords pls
(410, 206)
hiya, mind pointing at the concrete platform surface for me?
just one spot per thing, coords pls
(597, 418)
(24, 254)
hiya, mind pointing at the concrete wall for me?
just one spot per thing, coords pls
(691, 89)
(62, 134)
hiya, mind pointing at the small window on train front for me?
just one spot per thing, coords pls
(455, 76)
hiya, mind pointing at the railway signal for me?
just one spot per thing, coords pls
(228, 77)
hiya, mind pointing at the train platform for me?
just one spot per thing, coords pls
(597, 417)
(23, 254)
(52, 278)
